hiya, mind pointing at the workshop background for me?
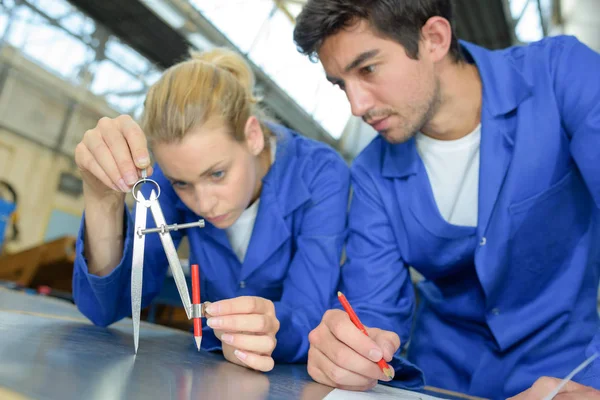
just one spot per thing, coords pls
(65, 64)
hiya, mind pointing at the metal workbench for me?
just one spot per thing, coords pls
(48, 350)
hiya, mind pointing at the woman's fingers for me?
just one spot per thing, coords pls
(255, 361)
(88, 163)
(115, 149)
(254, 323)
(259, 344)
(242, 305)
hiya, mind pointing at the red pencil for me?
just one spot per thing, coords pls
(196, 300)
(385, 368)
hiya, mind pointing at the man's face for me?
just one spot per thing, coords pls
(390, 91)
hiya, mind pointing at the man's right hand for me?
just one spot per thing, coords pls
(341, 356)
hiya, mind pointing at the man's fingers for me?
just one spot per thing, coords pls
(242, 305)
(343, 329)
(344, 356)
(545, 385)
(324, 371)
(577, 396)
(388, 341)
(254, 323)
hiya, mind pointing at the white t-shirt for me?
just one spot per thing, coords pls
(240, 232)
(453, 170)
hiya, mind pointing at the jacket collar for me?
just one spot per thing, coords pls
(504, 87)
(284, 177)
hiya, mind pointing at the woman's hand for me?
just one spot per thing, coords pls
(111, 155)
(110, 158)
(246, 327)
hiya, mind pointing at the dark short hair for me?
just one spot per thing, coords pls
(399, 20)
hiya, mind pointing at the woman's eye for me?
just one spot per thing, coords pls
(179, 184)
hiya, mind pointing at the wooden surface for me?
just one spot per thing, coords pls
(49, 264)
(49, 350)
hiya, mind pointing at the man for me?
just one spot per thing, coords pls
(485, 178)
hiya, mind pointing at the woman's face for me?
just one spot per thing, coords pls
(215, 176)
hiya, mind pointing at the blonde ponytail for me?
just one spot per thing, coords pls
(215, 86)
(231, 62)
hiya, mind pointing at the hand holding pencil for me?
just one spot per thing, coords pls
(341, 355)
(385, 368)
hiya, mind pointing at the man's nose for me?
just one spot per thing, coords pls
(360, 99)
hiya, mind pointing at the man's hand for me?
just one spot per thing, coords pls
(341, 356)
(572, 390)
(246, 327)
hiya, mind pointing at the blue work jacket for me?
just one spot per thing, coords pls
(514, 298)
(293, 257)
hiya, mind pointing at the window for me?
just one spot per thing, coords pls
(59, 37)
(262, 31)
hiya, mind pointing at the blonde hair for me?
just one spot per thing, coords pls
(213, 86)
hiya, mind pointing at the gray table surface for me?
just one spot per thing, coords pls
(48, 350)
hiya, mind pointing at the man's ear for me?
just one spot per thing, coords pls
(255, 138)
(437, 37)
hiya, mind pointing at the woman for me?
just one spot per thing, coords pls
(275, 205)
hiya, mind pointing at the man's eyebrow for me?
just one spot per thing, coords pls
(361, 58)
(358, 60)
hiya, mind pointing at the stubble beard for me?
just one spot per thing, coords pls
(407, 131)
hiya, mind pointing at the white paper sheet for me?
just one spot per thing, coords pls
(379, 392)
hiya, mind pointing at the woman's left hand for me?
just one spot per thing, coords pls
(246, 327)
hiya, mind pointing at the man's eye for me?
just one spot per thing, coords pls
(218, 175)
(369, 69)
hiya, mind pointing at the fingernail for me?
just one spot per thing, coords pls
(143, 161)
(227, 338)
(375, 355)
(123, 186)
(214, 322)
(130, 178)
(240, 354)
(212, 309)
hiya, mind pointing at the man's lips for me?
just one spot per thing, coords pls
(380, 124)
